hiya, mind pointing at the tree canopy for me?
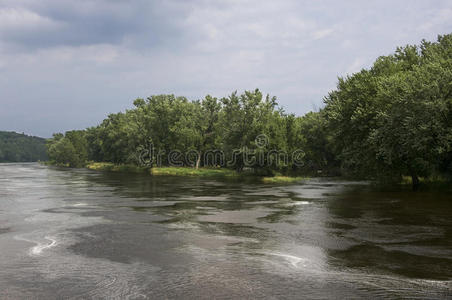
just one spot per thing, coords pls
(391, 120)
(395, 118)
(16, 147)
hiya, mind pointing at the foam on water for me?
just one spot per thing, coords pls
(36, 250)
(295, 261)
(302, 203)
(40, 246)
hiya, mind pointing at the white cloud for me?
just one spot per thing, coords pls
(320, 34)
(79, 61)
(438, 17)
(23, 19)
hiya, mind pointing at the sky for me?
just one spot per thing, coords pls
(67, 64)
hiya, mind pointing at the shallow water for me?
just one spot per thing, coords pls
(82, 234)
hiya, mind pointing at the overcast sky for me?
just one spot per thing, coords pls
(67, 64)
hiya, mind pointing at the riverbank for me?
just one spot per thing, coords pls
(439, 183)
(188, 171)
(110, 167)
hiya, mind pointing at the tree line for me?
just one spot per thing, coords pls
(16, 147)
(168, 123)
(391, 120)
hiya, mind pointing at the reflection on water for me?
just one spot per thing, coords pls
(82, 234)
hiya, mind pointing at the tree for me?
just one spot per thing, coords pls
(70, 149)
(15, 147)
(394, 119)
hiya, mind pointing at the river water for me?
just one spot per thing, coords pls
(80, 234)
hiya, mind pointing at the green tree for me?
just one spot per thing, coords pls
(394, 119)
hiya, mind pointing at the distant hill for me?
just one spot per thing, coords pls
(16, 147)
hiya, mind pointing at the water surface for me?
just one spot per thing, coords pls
(83, 234)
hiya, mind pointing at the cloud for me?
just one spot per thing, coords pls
(66, 64)
(320, 34)
(86, 22)
(19, 24)
(23, 19)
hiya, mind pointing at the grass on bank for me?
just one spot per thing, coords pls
(220, 172)
(188, 171)
(433, 182)
(282, 179)
(105, 166)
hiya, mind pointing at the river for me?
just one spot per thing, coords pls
(80, 234)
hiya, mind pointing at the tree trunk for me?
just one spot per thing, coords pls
(198, 161)
(415, 181)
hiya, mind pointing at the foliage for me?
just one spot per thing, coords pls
(168, 123)
(70, 149)
(15, 147)
(386, 122)
(395, 119)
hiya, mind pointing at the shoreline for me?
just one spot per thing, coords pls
(440, 184)
(191, 172)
